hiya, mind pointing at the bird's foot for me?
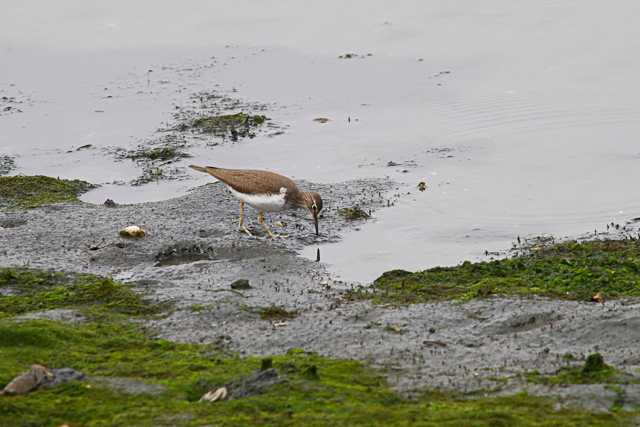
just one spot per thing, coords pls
(244, 228)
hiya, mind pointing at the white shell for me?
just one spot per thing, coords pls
(132, 231)
(214, 395)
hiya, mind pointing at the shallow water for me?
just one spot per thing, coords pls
(522, 118)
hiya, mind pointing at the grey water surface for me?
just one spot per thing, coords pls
(522, 118)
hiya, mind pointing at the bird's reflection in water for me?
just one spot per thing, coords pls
(318, 255)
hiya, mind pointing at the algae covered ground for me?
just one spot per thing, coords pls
(33, 191)
(569, 270)
(450, 346)
(112, 343)
(594, 371)
(232, 126)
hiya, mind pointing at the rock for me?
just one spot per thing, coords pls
(266, 363)
(257, 383)
(12, 222)
(63, 376)
(28, 381)
(251, 385)
(110, 203)
(311, 373)
(241, 284)
(41, 376)
(593, 364)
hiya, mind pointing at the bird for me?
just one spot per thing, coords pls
(266, 192)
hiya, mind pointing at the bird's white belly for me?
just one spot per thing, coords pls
(263, 202)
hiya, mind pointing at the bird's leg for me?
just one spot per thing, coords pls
(241, 223)
(264, 225)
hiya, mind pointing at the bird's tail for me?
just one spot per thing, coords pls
(205, 169)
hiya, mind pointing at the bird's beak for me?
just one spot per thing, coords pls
(315, 222)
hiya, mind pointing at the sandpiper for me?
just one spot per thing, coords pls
(265, 191)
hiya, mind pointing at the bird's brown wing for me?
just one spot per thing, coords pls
(250, 181)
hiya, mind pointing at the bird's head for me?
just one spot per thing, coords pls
(313, 202)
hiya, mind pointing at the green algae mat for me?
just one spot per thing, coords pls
(33, 191)
(570, 270)
(111, 342)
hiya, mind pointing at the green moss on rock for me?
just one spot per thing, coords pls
(593, 371)
(568, 270)
(156, 154)
(33, 191)
(353, 213)
(232, 126)
(276, 313)
(315, 391)
(312, 390)
(34, 290)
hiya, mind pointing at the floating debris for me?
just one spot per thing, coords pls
(353, 55)
(322, 120)
(422, 186)
(82, 147)
(441, 73)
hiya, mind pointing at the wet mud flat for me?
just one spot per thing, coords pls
(259, 298)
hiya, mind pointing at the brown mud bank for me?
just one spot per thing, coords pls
(193, 253)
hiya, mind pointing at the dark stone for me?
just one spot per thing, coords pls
(311, 373)
(254, 384)
(266, 363)
(12, 222)
(241, 284)
(63, 376)
(594, 363)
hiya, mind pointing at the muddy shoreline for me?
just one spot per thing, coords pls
(193, 253)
